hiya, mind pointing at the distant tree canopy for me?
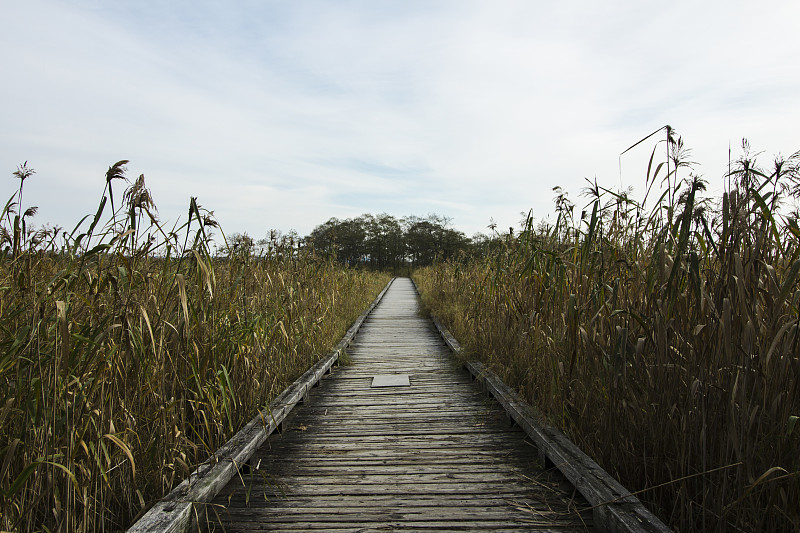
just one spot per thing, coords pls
(385, 242)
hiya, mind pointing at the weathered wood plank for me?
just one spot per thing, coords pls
(613, 506)
(433, 456)
(210, 477)
(427, 527)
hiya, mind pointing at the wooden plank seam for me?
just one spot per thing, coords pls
(614, 508)
(180, 510)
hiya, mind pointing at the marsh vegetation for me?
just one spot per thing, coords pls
(131, 351)
(661, 334)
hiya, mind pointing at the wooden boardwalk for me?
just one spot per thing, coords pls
(437, 455)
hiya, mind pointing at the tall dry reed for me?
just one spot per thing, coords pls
(661, 335)
(130, 352)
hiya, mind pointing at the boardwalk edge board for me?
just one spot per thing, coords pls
(179, 510)
(614, 508)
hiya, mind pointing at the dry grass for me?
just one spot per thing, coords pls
(130, 352)
(662, 338)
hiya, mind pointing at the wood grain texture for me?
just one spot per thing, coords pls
(614, 508)
(184, 507)
(438, 455)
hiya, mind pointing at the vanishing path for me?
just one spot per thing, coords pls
(435, 455)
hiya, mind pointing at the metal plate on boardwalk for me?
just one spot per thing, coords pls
(390, 380)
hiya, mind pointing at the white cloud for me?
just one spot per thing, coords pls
(284, 115)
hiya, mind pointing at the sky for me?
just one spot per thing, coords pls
(281, 115)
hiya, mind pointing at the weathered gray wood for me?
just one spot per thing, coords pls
(614, 508)
(168, 517)
(173, 513)
(433, 456)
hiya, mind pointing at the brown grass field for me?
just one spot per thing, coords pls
(130, 352)
(661, 335)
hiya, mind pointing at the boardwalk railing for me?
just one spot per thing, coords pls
(176, 512)
(614, 508)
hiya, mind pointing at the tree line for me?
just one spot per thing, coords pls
(381, 242)
(386, 242)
